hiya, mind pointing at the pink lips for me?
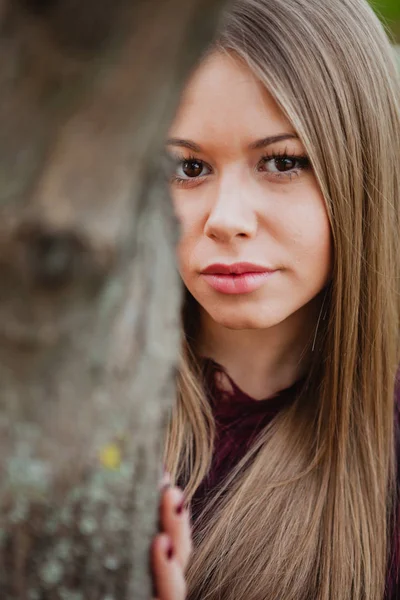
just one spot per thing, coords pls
(239, 278)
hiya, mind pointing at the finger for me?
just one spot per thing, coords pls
(168, 574)
(175, 521)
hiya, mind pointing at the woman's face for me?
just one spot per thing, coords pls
(244, 192)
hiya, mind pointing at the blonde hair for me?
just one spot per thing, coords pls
(307, 514)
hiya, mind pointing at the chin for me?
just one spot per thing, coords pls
(238, 320)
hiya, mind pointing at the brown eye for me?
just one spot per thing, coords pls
(285, 164)
(192, 168)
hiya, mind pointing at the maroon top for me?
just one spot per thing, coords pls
(239, 418)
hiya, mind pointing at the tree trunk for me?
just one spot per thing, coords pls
(89, 297)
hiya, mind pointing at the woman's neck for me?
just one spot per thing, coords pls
(262, 362)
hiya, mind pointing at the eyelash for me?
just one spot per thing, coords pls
(301, 159)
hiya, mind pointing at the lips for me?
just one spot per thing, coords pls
(235, 269)
(238, 278)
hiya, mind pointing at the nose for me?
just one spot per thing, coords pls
(232, 214)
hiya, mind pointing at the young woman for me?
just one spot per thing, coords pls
(286, 182)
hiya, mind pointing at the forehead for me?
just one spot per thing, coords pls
(224, 100)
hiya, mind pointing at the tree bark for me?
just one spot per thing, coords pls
(89, 296)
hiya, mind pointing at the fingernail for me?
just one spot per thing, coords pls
(170, 551)
(180, 508)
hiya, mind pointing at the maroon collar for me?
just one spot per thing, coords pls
(229, 403)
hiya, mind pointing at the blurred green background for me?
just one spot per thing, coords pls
(389, 11)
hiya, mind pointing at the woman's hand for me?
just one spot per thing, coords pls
(171, 549)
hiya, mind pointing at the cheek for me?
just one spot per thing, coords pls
(311, 242)
(185, 249)
(190, 221)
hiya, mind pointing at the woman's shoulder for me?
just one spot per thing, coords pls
(397, 390)
(394, 572)
(397, 413)
(397, 421)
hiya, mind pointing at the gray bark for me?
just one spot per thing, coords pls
(89, 295)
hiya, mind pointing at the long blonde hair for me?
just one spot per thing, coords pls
(307, 514)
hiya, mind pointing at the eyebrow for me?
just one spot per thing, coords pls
(262, 143)
(272, 139)
(184, 144)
